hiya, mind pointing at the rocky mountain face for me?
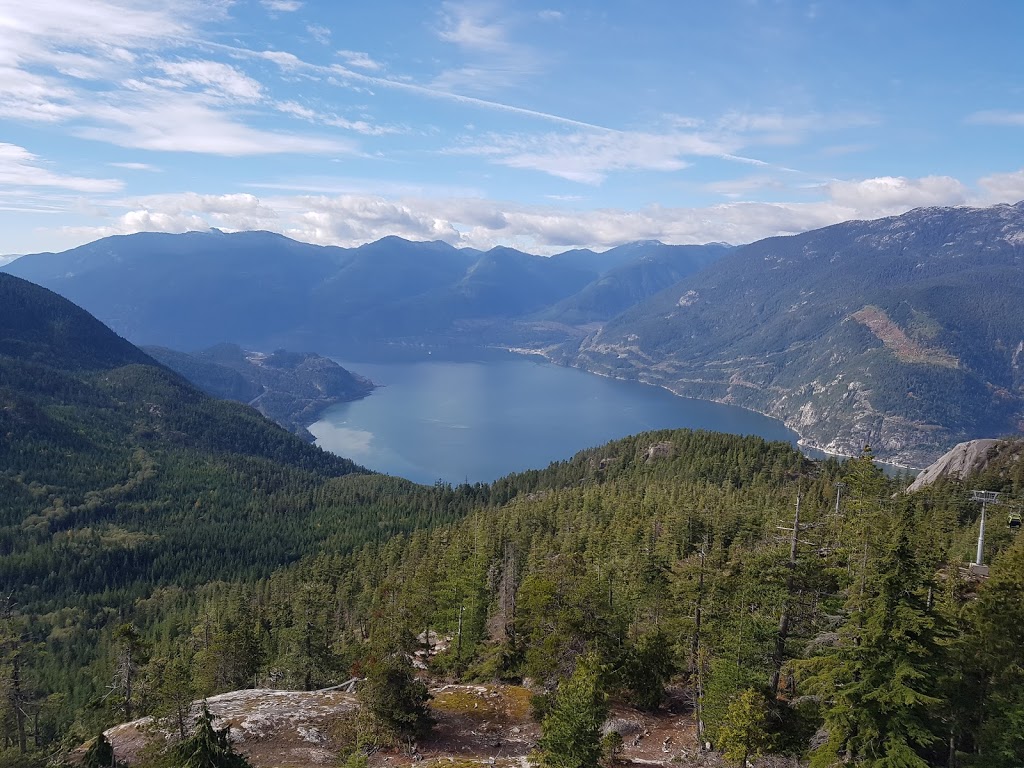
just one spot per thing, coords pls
(288, 387)
(903, 333)
(973, 459)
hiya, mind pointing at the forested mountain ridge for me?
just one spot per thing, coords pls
(39, 327)
(289, 387)
(108, 457)
(651, 268)
(903, 333)
(650, 561)
(264, 291)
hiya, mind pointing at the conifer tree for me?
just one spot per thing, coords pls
(395, 697)
(571, 731)
(100, 753)
(995, 651)
(743, 732)
(878, 683)
(132, 654)
(208, 747)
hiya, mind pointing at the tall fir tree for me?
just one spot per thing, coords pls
(571, 731)
(878, 683)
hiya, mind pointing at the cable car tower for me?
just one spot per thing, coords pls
(978, 568)
(1013, 522)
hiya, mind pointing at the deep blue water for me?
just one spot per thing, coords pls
(478, 421)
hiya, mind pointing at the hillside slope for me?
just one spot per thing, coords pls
(113, 469)
(658, 560)
(904, 333)
(651, 267)
(289, 387)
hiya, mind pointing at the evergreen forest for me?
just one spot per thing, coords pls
(158, 546)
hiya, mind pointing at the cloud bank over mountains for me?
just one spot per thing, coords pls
(477, 123)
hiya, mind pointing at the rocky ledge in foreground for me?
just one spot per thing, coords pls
(487, 725)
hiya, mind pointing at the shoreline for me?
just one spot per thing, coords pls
(801, 441)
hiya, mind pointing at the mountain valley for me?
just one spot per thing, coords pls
(162, 548)
(902, 333)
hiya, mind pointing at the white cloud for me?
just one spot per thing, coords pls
(486, 78)
(101, 27)
(150, 221)
(780, 128)
(136, 166)
(140, 99)
(283, 59)
(588, 156)
(20, 168)
(170, 121)
(355, 218)
(319, 33)
(997, 117)
(550, 15)
(767, 122)
(220, 79)
(187, 212)
(888, 195)
(494, 61)
(281, 6)
(34, 98)
(472, 26)
(297, 110)
(359, 126)
(45, 53)
(339, 75)
(360, 60)
(1003, 187)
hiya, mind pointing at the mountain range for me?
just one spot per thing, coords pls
(264, 291)
(903, 333)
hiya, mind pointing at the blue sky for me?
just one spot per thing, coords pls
(541, 125)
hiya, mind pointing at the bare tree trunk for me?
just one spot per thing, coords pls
(17, 705)
(695, 660)
(779, 655)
